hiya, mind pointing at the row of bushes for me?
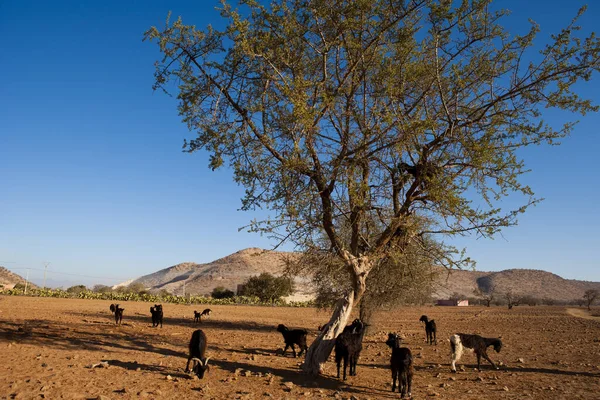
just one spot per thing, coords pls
(153, 298)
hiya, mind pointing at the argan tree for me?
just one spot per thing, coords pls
(487, 295)
(334, 113)
(512, 299)
(267, 287)
(590, 297)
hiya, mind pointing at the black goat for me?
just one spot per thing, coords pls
(293, 337)
(197, 354)
(401, 364)
(475, 342)
(430, 329)
(198, 315)
(157, 315)
(115, 309)
(348, 346)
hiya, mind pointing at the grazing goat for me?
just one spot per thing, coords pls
(198, 316)
(157, 315)
(197, 354)
(115, 309)
(348, 346)
(401, 364)
(430, 329)
(292, 337)
(475, 342)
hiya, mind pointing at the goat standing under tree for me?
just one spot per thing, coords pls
(330, 123)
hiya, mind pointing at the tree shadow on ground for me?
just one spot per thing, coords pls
(71, 337)
(550, 371)
(299, 378)
(142, 319)
(535, 370)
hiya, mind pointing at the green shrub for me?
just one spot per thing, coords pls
(220, 292)
(267, 287)
(77, 289)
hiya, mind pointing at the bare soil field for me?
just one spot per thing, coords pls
(49, 345)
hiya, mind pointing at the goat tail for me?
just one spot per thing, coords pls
(457, 349)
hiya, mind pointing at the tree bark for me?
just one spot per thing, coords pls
(321, 347)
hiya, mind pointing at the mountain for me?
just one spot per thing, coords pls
(536, 283)
(230, 271)
(9, 279)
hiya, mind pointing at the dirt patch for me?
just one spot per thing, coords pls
(62, 348)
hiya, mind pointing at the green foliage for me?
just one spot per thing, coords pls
(267, 287)
(221, 292)
(77, 289)
(132, 296)
(19, 286)
(377, 115)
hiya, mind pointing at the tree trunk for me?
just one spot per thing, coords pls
(366, 315)
(321, 347)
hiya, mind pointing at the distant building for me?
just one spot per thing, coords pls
(453, 303)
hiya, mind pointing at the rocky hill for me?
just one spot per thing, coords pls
(536, 283)
(228, 272)
(234, 269)
(9, 279)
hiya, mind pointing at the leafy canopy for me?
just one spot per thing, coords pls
(396, 119)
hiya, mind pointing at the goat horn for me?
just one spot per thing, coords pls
(197, 360)
(206, 361)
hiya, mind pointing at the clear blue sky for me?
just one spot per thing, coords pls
(92, 178)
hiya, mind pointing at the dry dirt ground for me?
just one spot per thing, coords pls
(48, 345)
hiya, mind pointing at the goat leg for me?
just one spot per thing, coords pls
(490, 361)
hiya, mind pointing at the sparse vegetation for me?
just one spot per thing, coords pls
(131, 296)
(590, 297)
(487, 296)
(511, 299)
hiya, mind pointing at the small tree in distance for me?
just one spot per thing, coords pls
(77, 289)
(102, 289)
(267, 287)
(486, 295)
(590, 297)
(511, 299)
(220, 292)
